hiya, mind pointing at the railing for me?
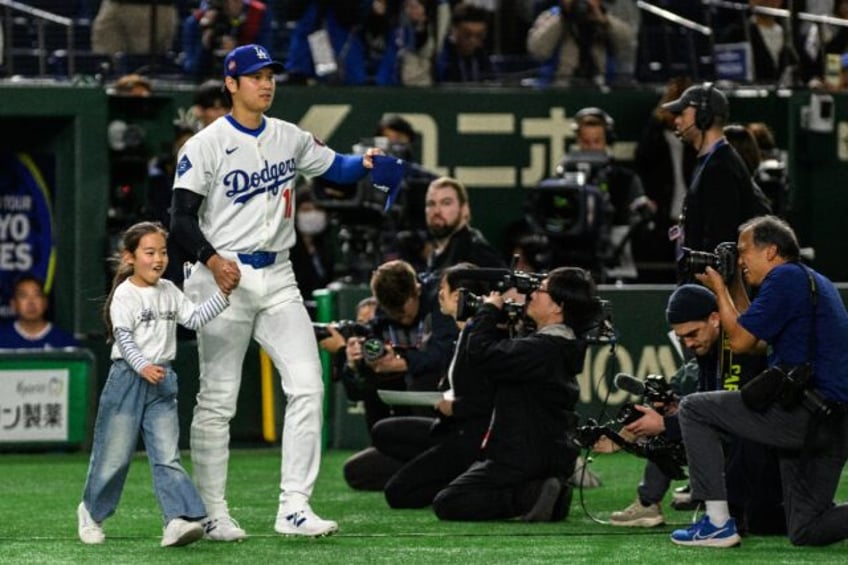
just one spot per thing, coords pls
(41, 17)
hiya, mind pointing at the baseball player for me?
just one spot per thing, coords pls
(233, 207)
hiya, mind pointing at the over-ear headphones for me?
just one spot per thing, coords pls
(704, 113)
(594, 114)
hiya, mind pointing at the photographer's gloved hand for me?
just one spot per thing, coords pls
(651, 424)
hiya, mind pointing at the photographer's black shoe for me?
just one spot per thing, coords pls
(546, 501)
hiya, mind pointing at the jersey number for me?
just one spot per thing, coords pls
(287, 195)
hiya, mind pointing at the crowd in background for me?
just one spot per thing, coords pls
(425, 42)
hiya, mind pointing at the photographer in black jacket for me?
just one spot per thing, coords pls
(529, 449)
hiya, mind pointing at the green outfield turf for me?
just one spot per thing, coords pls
(40, 494)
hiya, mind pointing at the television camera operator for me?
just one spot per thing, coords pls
(751, 471)
(605, 202)
(528, 451)
(798, 405)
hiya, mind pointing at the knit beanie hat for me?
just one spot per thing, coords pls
(689, 303)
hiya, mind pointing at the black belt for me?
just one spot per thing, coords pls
(258, 259)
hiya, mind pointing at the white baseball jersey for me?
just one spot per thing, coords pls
(247, 178)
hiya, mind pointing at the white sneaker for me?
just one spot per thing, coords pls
(89, 531)
(181, 532)
(223, 528)
(303, 522)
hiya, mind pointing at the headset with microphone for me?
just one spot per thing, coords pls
(594, 115)
(704, 113)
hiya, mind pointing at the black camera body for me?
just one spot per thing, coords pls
(348, 329)
(469, 304)
(657, 393)
(668, 455)
(723, 260)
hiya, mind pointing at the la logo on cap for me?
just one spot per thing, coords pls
(261, 53)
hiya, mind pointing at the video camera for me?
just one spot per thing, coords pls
(723, 260)
(499, 280)
(668, 455)
(655, 391)
(600, 329)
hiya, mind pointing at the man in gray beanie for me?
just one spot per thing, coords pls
(692, 313)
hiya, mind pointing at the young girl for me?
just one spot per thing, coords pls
(140, 395)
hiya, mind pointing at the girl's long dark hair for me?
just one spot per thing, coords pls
(123, 271)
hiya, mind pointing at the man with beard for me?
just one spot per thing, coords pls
(448, 214)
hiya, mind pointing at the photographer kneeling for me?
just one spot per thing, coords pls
(751, 469)
(802, 318)
(529, 449)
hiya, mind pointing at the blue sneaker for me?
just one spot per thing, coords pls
(703, 532)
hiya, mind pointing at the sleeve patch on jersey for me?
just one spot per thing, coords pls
(183, 166)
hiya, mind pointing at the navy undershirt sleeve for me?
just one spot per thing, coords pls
(346, 169)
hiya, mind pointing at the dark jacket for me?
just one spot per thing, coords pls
(473, 394)
(466, 244)
(722, 196)
(535, 386)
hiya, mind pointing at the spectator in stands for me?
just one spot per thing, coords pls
(134, 27)
(132, 84)
(579, 40)
(209, 102)
(836, 37)
(665, 165)
(217, 27)
(745, 144)
(462, 57)
(31, 329)
(411, 46)
(448, 216)
(771, 50)
(327, 43)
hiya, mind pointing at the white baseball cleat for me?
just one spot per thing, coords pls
(303, 522)
(223, 528)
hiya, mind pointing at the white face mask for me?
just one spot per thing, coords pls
(311, 222)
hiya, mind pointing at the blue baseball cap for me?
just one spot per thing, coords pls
(247, 59)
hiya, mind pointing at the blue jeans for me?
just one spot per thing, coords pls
(129, 405)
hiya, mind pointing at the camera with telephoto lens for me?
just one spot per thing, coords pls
(348, 329)
(723, 260)
(499, 280)
(469, 303)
